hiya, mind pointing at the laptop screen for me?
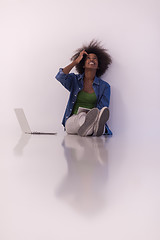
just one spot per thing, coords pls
(22, 120)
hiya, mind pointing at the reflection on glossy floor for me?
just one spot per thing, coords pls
(69, 187)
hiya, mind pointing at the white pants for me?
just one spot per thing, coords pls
(75, 122)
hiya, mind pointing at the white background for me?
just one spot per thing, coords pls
(39, 37)
(68, 187)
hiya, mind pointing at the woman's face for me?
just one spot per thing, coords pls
(91, 61)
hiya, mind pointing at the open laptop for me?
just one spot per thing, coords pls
(24, 123)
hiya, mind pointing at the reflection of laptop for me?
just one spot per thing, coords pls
(24, 123)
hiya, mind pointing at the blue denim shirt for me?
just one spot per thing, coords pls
(74, 83)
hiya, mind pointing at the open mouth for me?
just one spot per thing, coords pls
(91, 63)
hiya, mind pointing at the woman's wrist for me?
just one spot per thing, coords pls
(75, 62)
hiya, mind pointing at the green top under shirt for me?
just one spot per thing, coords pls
(85, 100)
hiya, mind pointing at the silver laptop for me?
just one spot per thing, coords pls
(24, 123)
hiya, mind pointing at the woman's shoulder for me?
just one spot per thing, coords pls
(102, 82)
(75, 75)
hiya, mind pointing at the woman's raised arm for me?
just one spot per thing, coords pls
(69, 67)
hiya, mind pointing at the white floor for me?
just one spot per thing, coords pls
(68, 187)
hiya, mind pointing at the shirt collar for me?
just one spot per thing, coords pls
(96, 79)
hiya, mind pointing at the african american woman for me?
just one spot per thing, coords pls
(87, 111)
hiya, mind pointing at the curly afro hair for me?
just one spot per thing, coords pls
(104, 59)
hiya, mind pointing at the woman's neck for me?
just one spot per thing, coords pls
(89, 75)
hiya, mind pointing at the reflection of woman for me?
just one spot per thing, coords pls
(88, 91)
(84, 185)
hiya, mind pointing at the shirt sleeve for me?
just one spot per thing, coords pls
(67, 80)
(104, 102)
(104, 98)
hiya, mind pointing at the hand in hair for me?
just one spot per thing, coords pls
(79, 58)
(69, 67)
